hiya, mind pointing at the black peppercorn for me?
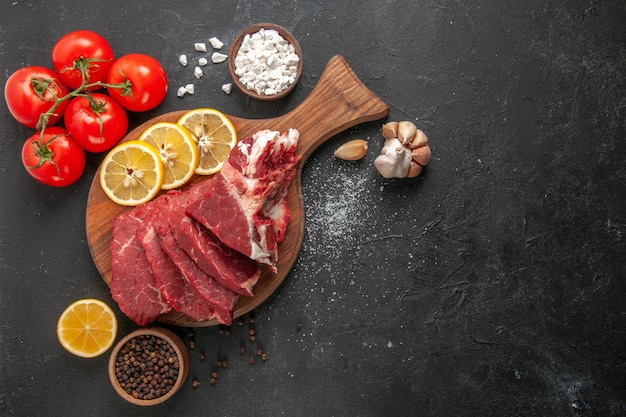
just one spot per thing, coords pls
(147, 367)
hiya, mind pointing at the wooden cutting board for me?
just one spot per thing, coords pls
(338, 101)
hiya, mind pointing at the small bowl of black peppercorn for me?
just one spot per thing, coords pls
(148, 366)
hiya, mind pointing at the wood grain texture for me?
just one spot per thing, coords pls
(338, 101)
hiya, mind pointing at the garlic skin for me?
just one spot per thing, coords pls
(390, 130)
(405, 151)
(352, 150)
(406, 132)
(394, 159)
(421, 155)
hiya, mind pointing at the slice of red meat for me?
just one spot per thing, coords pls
(245, 205)
(230, 268)
(174, 286)
(133, 286)
(221, 299)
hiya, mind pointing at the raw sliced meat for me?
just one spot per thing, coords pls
(245, 206)
(143, 297)
(221, 299)
(133, 286)
(174, 286)
(229, 267)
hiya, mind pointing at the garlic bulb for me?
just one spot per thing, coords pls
(405, 151)
(394, 159)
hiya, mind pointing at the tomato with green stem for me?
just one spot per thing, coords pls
(33, 91)
(148, 82)
(82, 57)
(96, 121)
(53, 157)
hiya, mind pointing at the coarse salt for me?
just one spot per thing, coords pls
(203, 62)
(200, 46)
(216, 43)
(227, 88)
(218, 57)
(187, 89)
(197, 72)
(183, 60)
(266, 63)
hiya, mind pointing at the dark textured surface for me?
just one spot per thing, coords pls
(491, 285)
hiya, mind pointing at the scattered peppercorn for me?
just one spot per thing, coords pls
(192, 344)
(251, 361)
(239, 321)
(264, 356)
(195, 383)
(259, 352)
(213, 381)
(252, 332)
(214, 374)
(242, 349)
(147, 367)
(253, 338)
(202, 356)
(219, 364)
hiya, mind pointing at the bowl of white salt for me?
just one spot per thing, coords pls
(265, 61)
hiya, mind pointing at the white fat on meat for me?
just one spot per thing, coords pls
(261, 138)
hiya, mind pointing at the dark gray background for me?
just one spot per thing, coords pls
(491, 285)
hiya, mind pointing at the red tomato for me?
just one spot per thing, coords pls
(148, 82)
(96, 123)
(56, 159)
(31, 92)
(82, 49)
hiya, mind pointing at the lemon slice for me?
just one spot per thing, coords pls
(87, 328)
(132, 173)
(177, 149)
(214, 135)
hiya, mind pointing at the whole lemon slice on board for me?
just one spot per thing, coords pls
(177, 149)
(214, 135)
(87, 328)
(132, 173)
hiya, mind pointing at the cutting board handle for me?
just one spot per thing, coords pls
(337, 102)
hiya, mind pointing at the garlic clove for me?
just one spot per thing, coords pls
(406, 131)
(352, 150)
(390, 130)
(414, 170)
(421, 155)
(419, 139)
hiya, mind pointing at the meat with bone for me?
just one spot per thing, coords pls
(246, 206)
